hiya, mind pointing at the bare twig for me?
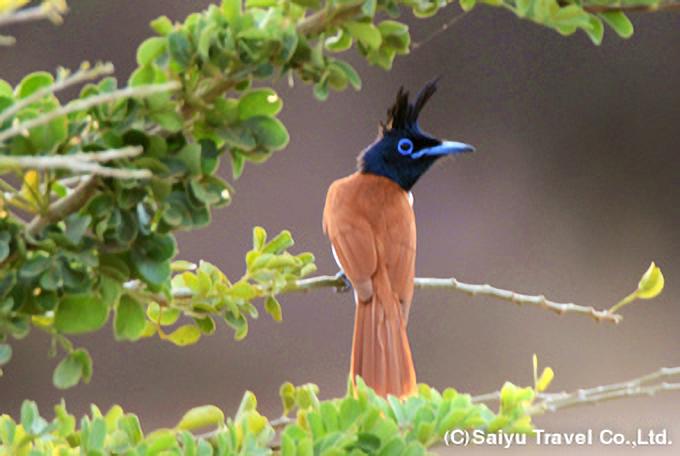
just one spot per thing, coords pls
(326, 19)
(647, 385)
(652, 8)
(81, 163)
(440, 30)
(76, 78)
(64, 207)
(52, 10)
(86, 103)
(476, 290)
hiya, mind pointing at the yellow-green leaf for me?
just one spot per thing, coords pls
(546, 378)
(186, 335)
(651, 283)
(200, 417)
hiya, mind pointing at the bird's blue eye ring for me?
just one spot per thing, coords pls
(405, 146)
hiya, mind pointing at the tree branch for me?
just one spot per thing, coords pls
(52, 10)
(81, 163)
(647, 385)
(475, 290)
(65, 206)
(326, 19)
(76, 78)
(312, 283)
(653, 8)
(86, 103)
(633, 388)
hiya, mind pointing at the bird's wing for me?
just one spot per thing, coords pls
(370, 221)
(400, 250)
(351, 235)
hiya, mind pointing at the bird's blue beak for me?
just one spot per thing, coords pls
(445, 148)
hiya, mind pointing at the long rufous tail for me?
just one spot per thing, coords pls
(381, 355)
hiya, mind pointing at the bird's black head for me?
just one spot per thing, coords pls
(403, 152)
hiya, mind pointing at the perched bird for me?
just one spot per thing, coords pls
(369, 219)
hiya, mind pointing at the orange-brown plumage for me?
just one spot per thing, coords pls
(371, 225)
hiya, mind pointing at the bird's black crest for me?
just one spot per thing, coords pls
(403, 114)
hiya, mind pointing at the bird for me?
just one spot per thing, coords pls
(369, 219)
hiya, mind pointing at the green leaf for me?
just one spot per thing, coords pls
(97, 435)
(268, 132)
(619, 22)
(29, 415)
(206, 325)
(259, 238)
(200, 417)
(130, 319)
(467, 5)
(162, 25)
(66, 423)
(366, 33)
(260, 102)
(79, 314)
(33, 82)
(6, 89)
(349, 72)
(232, 11)
(367, 442)
(281, 242)
(369, 7)
(169, 120)
(68, 373)
(180, 49)
(5, 353)
(395, 36)
(190, 155)
(242, 290)
(596, 30)
(185, 335)
(150, 50)
(237, 163)
(273, 307)
(168, 315)
(85, 359)
(342, 41)
(152, 272)
(76, 227)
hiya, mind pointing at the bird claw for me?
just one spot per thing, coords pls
(347, 286)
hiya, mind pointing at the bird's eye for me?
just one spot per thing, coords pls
(405, 146)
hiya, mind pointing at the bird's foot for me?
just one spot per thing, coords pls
(347, 285)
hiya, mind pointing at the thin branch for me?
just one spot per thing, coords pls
(7, 40)
(76, 78)
(64, 207)
(52, 10)
(647, 385)
(81, 163)
(86, 103)
(476, 290)
(653, 8)
(305, 285)
(440, 30)
(327, 19)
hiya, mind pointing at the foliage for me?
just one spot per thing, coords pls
(359, 423)
(98, 245)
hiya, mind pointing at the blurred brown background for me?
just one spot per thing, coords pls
(573, 192)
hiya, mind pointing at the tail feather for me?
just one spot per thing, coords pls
(381, 355)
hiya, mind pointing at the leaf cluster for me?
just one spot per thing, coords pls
(360, 423)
